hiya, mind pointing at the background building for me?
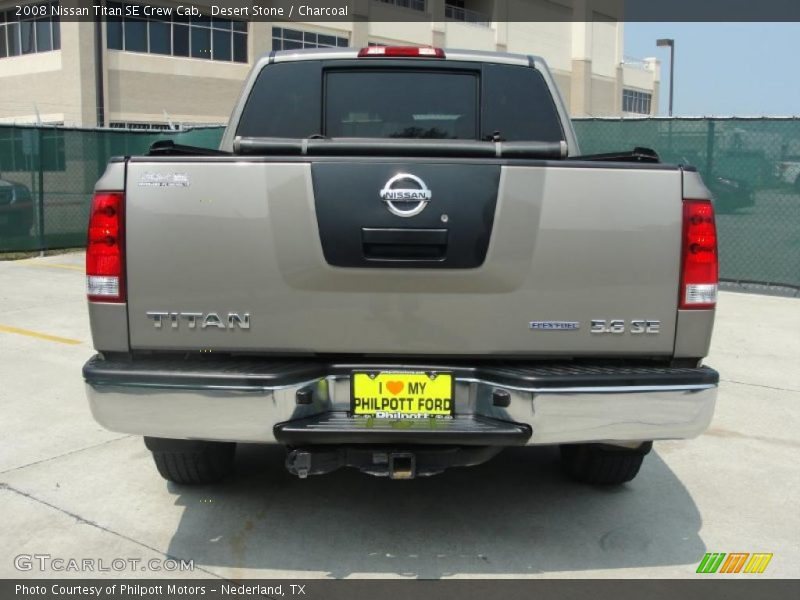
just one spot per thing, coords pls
(156, 72)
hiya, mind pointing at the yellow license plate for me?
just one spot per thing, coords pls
(399, 395)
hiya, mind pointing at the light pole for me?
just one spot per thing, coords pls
(663, 43)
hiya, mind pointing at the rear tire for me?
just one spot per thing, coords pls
(190, 462)
(600, 464)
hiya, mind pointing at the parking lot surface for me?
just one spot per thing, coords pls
(73, 490)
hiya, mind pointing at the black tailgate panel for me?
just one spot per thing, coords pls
(358, 229)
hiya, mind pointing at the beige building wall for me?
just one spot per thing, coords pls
(148, 88)
(52, 87)
(586, 58)
(31, 89)
(604, 98)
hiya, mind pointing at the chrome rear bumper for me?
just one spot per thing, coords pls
(676, 404)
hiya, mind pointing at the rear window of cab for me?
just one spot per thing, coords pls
(402, 101)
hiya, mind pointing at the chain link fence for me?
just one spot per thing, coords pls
(47, 175)
(751, 166)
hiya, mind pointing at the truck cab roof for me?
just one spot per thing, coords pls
(506, 58)
(354, 58)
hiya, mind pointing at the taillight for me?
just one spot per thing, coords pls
(403, 51)
(105, 256)
(699, 271)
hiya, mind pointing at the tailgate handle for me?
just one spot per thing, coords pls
(404, 244)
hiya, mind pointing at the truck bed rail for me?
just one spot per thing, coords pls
(170, 148)
(266, 146)
(637, 155)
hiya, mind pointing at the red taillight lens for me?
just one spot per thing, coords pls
(699, 271)
(404, 51)
(105, 257)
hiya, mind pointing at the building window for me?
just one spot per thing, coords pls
(455, 10)
(293, 39)
(204, 37)
(636, 102)
(35, 31)
(412, 4)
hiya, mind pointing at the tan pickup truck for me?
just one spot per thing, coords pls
(399, 261)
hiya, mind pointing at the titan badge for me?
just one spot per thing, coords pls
(204, 320)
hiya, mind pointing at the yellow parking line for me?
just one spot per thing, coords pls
(41, 336)
(54, 265)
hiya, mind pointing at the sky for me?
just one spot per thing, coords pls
(725, 69)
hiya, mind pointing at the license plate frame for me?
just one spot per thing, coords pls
(410, 403)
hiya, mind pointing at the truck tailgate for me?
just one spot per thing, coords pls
(281, 256)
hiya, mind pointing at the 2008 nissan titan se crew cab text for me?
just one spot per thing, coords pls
(398, 261)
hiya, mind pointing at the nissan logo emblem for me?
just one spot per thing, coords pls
(405, 195)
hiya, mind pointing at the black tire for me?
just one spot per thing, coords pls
(599, 464)
(190, 462)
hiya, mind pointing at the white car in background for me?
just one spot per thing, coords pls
(788, 171)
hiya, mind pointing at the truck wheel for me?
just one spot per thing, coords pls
(191, 462)
(600, 464)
